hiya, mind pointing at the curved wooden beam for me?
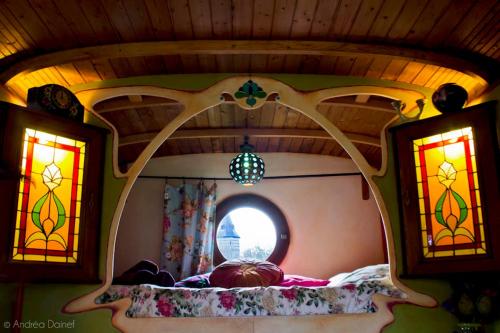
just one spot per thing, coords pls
(125, 104)
(153, 101)
(477, 68)
(253, 132)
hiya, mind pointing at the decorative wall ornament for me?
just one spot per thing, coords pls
(250, 91)
(399, 106)
(449, 97)
(57, 100)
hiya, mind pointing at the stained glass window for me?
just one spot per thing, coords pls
(451, 222)
(49, 198)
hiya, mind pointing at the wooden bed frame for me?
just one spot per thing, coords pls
(196, 102)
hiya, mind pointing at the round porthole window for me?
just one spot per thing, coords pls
(250, 227)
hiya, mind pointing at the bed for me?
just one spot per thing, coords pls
(344, 293)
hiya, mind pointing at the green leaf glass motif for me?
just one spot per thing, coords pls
(61, 213)
(462, 205)
(446, 176)
(251, 91)
(35, 214)
(52, 178)
(439, 208)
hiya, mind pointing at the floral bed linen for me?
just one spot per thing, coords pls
(352, 294)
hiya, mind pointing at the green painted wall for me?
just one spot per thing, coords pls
(7, 297)
(43, 302)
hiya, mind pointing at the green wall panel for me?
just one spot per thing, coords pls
(43, 304)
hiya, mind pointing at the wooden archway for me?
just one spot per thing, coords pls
(195, 103)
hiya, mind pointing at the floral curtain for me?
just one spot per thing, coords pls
(188, 229)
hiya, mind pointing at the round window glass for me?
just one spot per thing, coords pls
(246, 233)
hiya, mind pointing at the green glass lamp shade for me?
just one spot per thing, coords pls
(247, 168)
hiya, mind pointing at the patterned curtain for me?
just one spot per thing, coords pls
(188, 230)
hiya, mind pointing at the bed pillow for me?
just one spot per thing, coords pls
(145, 272)
(302, 281)
(369, 273)
(246, 273)
(195, 281)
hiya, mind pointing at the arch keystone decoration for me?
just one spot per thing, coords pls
(195, 103)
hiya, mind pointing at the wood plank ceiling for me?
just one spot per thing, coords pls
(463, 30)
(272, 128)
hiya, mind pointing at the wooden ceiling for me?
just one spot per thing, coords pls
(272, 128)
(421, 42)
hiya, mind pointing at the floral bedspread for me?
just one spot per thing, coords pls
(352, 294)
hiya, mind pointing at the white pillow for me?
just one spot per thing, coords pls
(336, 280)
(368, 273)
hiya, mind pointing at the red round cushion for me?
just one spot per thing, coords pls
(246, 273)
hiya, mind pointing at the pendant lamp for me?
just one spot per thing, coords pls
(246, 168)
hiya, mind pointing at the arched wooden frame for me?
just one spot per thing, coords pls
(197, 102)
(267, 207)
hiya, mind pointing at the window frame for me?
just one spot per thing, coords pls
(482, 120)
(267, 207)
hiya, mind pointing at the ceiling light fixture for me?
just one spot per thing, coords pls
(247, 168)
